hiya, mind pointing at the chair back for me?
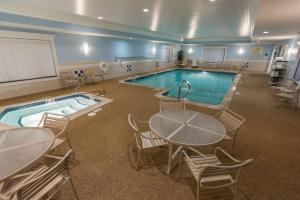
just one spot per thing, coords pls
(42, 181)
(133, 122)
(218, 174)
(57, 123)
(171, 105)
(231, 120)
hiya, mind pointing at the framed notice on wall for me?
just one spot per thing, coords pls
(257, 51)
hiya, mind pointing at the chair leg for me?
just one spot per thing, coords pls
(234, 139)
(179, 168)
(138, 160)
(198, 189)
(69, 143)
(235, 190)
(73, 188)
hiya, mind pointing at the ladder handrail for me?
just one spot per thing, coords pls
(180, 86)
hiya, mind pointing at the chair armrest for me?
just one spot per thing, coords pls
(218, 149)
(232, 130)
(53, 157)
(286, 90)
(41, 121)
(151, 138)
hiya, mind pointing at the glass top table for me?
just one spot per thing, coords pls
(186, 128)
(20, 147)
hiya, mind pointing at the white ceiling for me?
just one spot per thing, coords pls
(195, 20)
(280, 17)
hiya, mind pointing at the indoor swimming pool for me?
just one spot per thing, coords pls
(206, 87)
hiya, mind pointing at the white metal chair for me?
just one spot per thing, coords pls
(42, 183)
(169, 105)
(143, 140)
(59, 125)
(232, 122)
(211, 172)
(68, 80)
(289, 96)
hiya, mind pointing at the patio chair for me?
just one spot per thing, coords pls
(232, 122)
(59, 125)
(143, 141)
(68, 80)
(171, 105)
(42, 183)
(214, 171)
(290, 97)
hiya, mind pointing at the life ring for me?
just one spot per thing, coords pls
(103, 66)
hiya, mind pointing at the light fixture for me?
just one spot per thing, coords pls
(146, 10)
(85, 48)
(130, 38)
(292, 51)
(212, 0)
(190, 50)
(258, 41)
(266, 32)
(241, 51)
(154, 50)
(100, 17)
(260, 38)
(298, 43)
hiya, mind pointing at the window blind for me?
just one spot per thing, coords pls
(167, 54)
(25, 59)
(214, 55)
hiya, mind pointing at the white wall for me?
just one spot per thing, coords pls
(15, 89)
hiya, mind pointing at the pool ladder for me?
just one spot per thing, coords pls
(179, 89)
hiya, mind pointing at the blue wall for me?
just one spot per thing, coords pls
(232, 51)
(69, 48)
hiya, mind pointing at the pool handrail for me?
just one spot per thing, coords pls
(180, 86)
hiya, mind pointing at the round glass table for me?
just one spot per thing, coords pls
(20, 147)
(186, 128)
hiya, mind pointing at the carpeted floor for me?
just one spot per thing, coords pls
(105, 164)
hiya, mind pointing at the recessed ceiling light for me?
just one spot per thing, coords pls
(99, 17)
(212, 0)
(266, 32)
(130, 38)
(258, 41)
(146, 10)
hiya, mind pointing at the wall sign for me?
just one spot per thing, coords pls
(128, 68)
(257, 51)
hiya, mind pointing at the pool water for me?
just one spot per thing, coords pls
(29, 115)
(206, 87)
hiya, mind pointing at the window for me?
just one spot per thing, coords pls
(25, 59)
(213, 54)
(167, 54)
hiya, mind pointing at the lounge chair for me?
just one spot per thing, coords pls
(232, 122)
(59, 125)
(212, 172)
(41, 183)
(143, 140)
(171, 105)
